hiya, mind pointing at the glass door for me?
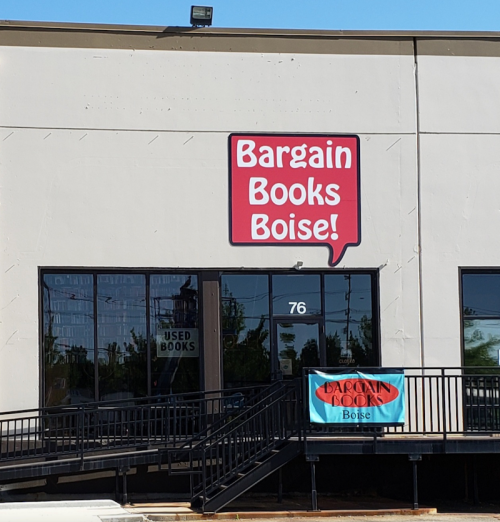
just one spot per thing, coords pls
(297, 346)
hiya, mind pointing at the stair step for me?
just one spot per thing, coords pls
(221, 496)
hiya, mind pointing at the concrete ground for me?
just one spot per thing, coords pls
(255, 509)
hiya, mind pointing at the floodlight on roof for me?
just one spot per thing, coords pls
(201, 16)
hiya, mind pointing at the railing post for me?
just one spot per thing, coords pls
(303, 412)
(314, 493)
(124, 471)
(80, 434)
(443, 399)
(204, 477)
(280, 486)
(174, 421)
(414, 459)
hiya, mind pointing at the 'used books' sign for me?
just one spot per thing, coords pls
(177, 342)
(295, 190)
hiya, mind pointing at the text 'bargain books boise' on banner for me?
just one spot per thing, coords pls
(349, 396)
(295, 190)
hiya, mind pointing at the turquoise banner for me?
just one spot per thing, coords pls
(354, 397)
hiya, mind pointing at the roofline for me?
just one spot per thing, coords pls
(235, 32)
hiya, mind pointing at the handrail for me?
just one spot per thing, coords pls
(439, 401)
(230, 428)
(220, 426)
(119, 424)
(251, 435)
(146, 399)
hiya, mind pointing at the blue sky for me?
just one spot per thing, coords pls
(452, 15)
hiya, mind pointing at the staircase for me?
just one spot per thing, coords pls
(250, 446)
(226, 440)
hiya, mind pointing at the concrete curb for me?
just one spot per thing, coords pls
(161, 517)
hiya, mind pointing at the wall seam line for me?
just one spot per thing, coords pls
(419, 207)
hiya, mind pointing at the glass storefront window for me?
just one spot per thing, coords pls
(298, 347)
(297, 294)
(245, 329)
(175, 338)
(112, 308)
(482, 342)
(68, 338)
(481, 295)
(481, 318)
(290, 333)
(349, 320)
(121, 336)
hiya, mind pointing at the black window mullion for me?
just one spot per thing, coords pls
(322, 326)
(273, 346)
(96, 348)
(148, 336)
(376, 316)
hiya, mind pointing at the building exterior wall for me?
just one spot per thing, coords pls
(459, 128)
(116, 157)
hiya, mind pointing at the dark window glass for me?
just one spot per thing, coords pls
(481, 295)
(245, 329)
(348, 320)
(121, 334)
(481, 319)
(482, 342)
(296, 294)
(298, 347)
(175, 337)
(68, 338)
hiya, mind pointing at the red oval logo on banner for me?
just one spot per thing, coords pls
(357, 393)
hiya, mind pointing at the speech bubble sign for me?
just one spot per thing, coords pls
(295, 189)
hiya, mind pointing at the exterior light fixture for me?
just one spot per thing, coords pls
(201, 16)
(298, 265)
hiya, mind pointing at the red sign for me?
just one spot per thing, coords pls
(293, 189)
(357, 393)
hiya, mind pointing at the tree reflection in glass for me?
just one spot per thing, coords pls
(348, 315)
(298, 347)
(481, 341)
(68, 340)
(121, 335)
(245, 330)
(174, 306)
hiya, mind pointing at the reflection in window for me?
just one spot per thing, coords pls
(481, 318)
(68, 338)
(245, 329)
(175, 348)
(348, 320)
(482, 342)
(121, 334)
(296, 294)
(481, 295)
(298, 347)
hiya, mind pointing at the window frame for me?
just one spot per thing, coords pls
(273, 318)
(463, 271)
(95, 272)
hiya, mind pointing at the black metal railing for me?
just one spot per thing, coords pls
(438, 401)
(81, 429)
(227, 453)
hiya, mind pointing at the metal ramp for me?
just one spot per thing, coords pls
(229, 440)
(110, 435)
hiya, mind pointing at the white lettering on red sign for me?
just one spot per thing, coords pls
(295, 189)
